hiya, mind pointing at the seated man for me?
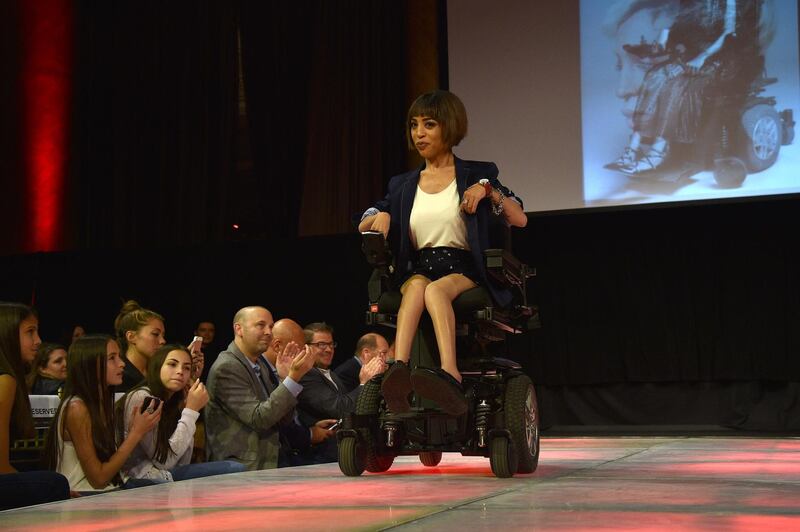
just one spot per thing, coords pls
(369, 346)
(246, 410)
(324, 395)
(296, 438)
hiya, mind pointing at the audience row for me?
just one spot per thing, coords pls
(271, 400)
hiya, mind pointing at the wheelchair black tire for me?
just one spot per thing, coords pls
(522, 421)
(502, 457)
(430, 458)
(761, 141)
(369, 403)
(350, 460)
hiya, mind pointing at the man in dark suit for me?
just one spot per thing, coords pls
(246, 411)
(369, 346)
(324, 395)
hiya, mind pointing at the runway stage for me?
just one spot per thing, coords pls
(582, 483)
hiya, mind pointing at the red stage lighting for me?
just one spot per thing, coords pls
(46, 69)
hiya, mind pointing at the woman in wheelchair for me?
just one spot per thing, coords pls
(436, 219)
(687, 58)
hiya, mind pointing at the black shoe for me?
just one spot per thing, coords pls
(438, 385)
(396, 387)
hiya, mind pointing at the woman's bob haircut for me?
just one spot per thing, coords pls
(444, 107)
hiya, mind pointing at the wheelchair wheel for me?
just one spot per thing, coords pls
(522, 421)
(369, 403)
(762, 137)
(502, 457)
(351, 461)
(430, 458)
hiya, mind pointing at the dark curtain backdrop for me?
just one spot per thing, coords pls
(11, 181)
(159, 156)
(701, 292)
(154, 120)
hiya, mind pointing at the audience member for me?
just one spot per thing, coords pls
(298, 438)
(69, 333)
(246, 410)
(324, 395)
(81, 443)
(140, 332)
(163, 454)
(369, 346)
(49, 370)
(19, 338)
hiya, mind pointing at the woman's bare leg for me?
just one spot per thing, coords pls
(439, 296)
(411, 307)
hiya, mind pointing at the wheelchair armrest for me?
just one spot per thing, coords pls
(506, 269)
(378, 255)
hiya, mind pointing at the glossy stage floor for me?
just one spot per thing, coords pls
(581, 483)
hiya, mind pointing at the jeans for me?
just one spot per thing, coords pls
(32, 487)
(206, 469)
(189, 471)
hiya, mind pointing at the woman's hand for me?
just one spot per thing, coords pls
(142, 423)
(197, 397)
(198, 363)
(381, 223)
(696, 64)
(472, 196)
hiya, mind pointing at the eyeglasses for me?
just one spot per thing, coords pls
(323, 345)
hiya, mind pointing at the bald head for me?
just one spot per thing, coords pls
(371, 345)
(289, 331)
(252, 330)
(283, 332)
(243, 313)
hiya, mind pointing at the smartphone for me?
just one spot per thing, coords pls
(150, 401)
(335, 425)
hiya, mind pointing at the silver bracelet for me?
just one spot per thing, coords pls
(497, 208)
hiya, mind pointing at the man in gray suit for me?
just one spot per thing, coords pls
(246, 411)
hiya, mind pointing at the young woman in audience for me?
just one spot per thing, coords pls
(164, 453)
(19, 338)
(140, 332)
(49, 370)
(81, 442)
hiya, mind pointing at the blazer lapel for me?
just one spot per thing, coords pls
(257, 386)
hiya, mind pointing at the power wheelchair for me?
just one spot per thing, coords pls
(502, 419)
(740, 130)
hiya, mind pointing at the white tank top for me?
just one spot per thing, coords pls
(436, 219)
(68, 463)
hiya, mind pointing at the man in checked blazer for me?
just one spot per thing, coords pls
(246, 411)
(324, 394)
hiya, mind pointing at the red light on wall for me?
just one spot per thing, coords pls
(45, 91)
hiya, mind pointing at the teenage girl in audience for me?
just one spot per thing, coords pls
(81, 442)
(49, 370)
(140, 332)
(19, 338)
(164, 453)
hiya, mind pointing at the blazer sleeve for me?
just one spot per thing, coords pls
(234, 393)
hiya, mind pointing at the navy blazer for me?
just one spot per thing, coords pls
(400, 199)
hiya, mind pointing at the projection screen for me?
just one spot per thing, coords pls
(596, 103)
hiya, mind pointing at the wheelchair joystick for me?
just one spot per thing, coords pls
(481, 418)
(391, 429)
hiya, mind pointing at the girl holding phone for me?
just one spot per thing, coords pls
(19, 339)
(81, 443)
(164, 453)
